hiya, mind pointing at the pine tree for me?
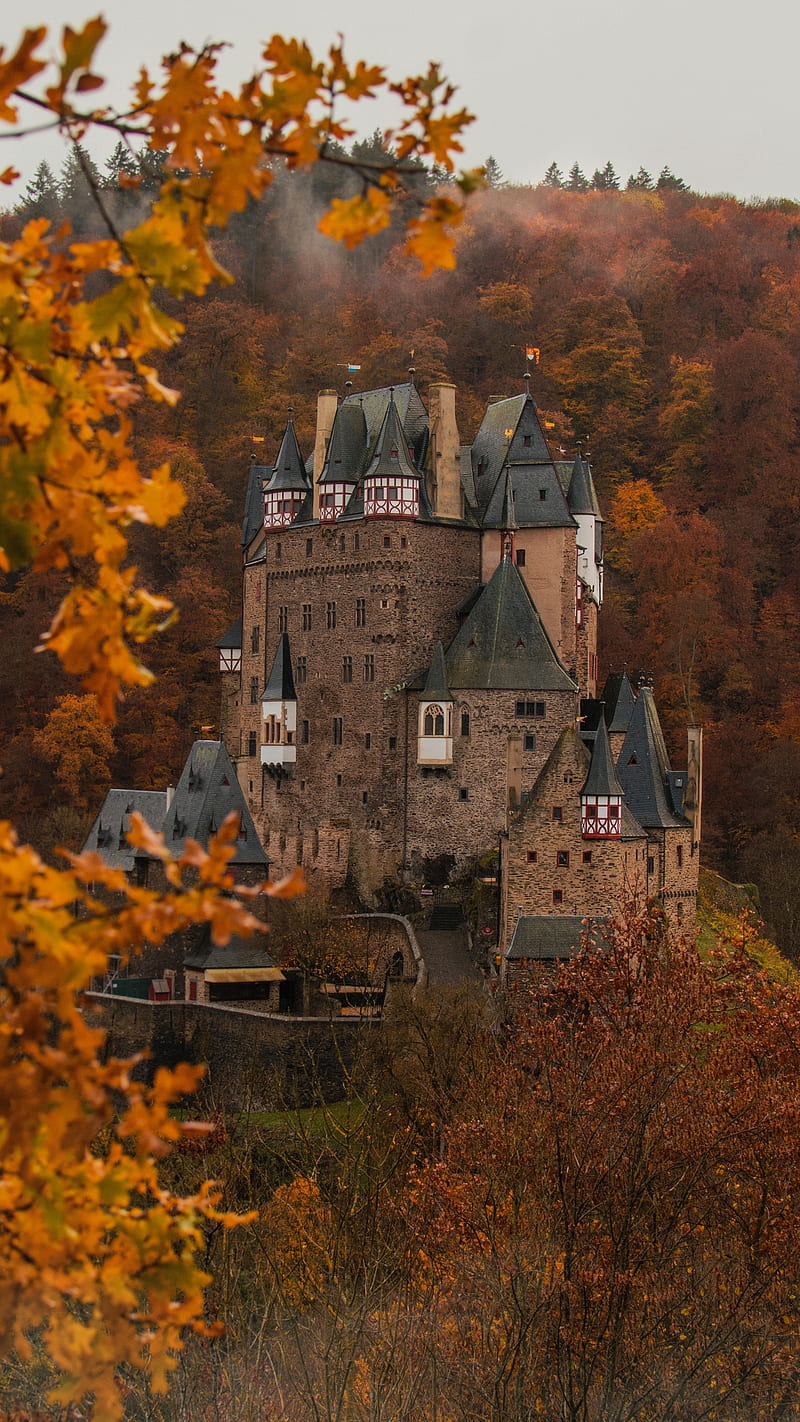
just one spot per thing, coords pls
(576, 180)
(553, 178)
(122, 160)
(605, 179)
(40, 198)
(667, 180)
(640, 182)
(493, 173)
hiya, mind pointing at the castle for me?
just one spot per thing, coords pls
(414, 673)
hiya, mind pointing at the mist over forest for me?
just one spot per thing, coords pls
(669, 329)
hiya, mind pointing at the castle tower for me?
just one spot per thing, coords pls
(601, 795)
(583, 505)
(279, 713)
(393, 486)
(288, 488)
(342, 464)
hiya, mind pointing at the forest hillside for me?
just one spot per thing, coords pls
(668, 325)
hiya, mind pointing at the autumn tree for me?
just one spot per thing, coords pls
(96, 1256)
(78, 744)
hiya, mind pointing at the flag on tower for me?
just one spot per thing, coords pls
(532, 353)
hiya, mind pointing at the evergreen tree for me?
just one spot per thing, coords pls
(493, 173)
(667, 180)
(605, 179)
(40, 198)
(576, 180)
(78, 180)
(122, 160)
(553, 178)
(640, 182)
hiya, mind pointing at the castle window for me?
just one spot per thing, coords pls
(283, 619)
(651, 864)
(542, 495)
(356, 542)
(361, 612)
(433, 721)
(387, 542)
(347, 668)
(369, 668)
(533, 856)
(302, 671)
(255, 639)
(254, 691)
(330, 615)
(562, 858)
(305, 732)
(558, 812)
(558, 897)
(403, 541)
(251, 744)
(587, 856)
(532, 708)
(463, 793)
(341, 543)
(306, 616)
(520, 557)
(278, 551)
(367, 741)
(393, 743)
(338, 782)
(309, 547)
(338, 730)
(465, 723)
(529, 741)
(364, 797)
(384, 602)
(527, 440)
(679, 855)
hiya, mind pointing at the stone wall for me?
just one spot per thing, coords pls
(255, 1061)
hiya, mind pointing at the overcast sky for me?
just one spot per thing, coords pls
(709, 87)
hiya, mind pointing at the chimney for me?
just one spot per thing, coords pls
(170, 793)
(445, 452)
(327, 405)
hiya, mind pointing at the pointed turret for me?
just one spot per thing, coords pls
(643, 767)
(288, 487)
(343, 462)
(253, 519)
(435, 729)
(279, 711)
(601, 795)
(511, 439)
(393, 487)
(583, 505)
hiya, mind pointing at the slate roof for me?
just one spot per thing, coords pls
(552, 937)
(236, 953)
(436, 687)
(207, 791)
(643, 767)
(502, 643)
(233, 636)
(344, 458)
(538, 495)
(391, 456)
(619, 701)
(107, 835)
(581, 496)
(254, 503)
(601, 779)
(412, 413)
(280, 683)
(289, 471)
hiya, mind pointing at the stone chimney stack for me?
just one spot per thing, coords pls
(327, 405)
(445, 452)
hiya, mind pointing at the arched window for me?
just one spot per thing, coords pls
(433, 724)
